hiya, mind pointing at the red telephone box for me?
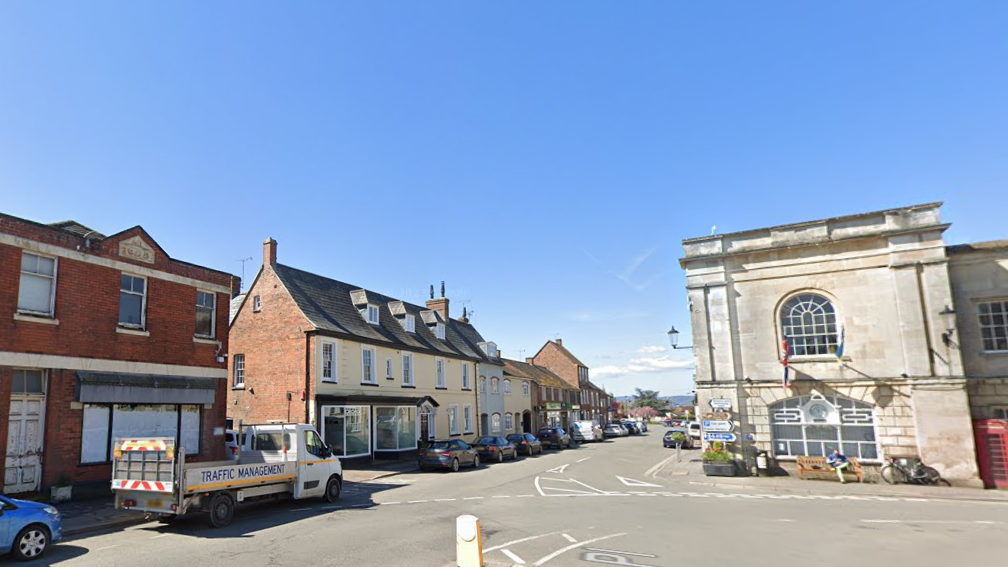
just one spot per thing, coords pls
(992, 450)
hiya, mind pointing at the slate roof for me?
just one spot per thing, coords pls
(76, 228)
(236, 303)
(544, 376)
(328, 306)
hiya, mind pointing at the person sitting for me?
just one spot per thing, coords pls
(839, 463)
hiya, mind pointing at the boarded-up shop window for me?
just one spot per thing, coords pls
(191, 422)
(94, 434)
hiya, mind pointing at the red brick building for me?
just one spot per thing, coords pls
(104, 337)
(591, 403)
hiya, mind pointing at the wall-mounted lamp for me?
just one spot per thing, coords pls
(947, 337)
(673, 337)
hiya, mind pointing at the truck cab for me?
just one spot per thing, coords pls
(273, 443)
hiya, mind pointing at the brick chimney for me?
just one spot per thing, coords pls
(269, 251)
(440, 304)
(529, 360)
(559, 342)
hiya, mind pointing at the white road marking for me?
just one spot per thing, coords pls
(500, 497)
(473, 498)
(573, 546)
(513, 557)
(784, 520)
(526, 496)
(445, 499)
(620, 552)
(646, 494)
(416, 501)
(502, 546)
(569, 538)
(559, 470)
(632, 482)
(651, 471)
(541, 493)
(162, 535)
(388, 503)
(583, 460)
(943, 522)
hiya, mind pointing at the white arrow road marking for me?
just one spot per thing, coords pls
(591, 491)
(513, 557)
(559, 470)
(524, 539)
(632, 482)
(584, 459)
(573, 546)
(569, 538)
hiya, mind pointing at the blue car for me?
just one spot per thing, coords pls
(27, 528)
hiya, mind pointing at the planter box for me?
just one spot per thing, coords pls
(60, 493)
(719, 469)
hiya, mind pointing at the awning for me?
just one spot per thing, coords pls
(115, 388)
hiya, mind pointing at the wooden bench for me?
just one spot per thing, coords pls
(819, 466)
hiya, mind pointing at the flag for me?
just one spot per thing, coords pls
(841, 336)
(784, 359)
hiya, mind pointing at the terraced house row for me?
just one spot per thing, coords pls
(376, 375)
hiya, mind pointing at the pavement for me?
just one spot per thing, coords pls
(100, 514)
(688, 469)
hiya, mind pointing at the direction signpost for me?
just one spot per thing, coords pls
(718, 436)
(720, 403)
(718, 425)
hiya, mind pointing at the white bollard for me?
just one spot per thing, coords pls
(468, 542)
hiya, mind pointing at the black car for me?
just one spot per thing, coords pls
(677, 437)
(554, 437)
(495, 449)
(525, 443)
(450, 454)
(632, 427)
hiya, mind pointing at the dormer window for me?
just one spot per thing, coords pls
(370, 314)
(409, 323)
(439, 331)
(492, 350)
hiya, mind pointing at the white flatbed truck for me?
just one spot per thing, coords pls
(152, 476)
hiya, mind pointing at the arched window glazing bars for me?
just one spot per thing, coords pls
(809, 324)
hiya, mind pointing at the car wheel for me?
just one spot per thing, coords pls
(454, 465)
(333, 489)
(221, 510)
(530, 451)
(31, 542)
(476, 461)
(500, 456)
(514, 455)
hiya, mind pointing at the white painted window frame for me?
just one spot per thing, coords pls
(333, 378)
(407, 366)
(465, 377)
(508, 422)
(526, 389)
(440, 379)
(409, 323)
(453, 424)
(370, 310)
(52, 291)
(507, 387)
(495, 423)
(238, 371)
(467, 418)
(369, 374)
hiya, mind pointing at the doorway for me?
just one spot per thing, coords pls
(26, 424)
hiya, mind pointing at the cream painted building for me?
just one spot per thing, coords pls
(880, 287)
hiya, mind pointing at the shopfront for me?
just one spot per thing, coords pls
(377, 428)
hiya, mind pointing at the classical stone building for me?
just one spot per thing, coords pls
(893, 342)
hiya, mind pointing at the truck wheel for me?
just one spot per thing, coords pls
(30, 542)
(221, 510)
(333, 489)
(166, 518)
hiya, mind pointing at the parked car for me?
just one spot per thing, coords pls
(525, 443)
(624, 430)
(694, 430)
(612, 430)
(685, 440)
(28, 528)
(632, 427)
(495, 449)
(449, 454)
(643, 425)
(231, 450)
(554, 437)
(583, 432)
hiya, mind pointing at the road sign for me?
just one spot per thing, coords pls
(720, 403)
(714, 436)
(717, 415)
(719, 425)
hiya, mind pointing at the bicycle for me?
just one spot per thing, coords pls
(895, 472)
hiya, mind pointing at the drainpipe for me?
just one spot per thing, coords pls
(476, 413)
(307, 374)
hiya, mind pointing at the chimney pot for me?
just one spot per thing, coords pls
(269, 251)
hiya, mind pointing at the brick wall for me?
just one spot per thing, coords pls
(551, 357)
(273, 342)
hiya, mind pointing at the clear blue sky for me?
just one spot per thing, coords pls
(545, 159)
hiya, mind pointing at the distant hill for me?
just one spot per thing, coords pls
(672, 400)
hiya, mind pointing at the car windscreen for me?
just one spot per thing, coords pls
(487, 441)
(515, 437)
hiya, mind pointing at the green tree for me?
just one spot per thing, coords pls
(648, 399)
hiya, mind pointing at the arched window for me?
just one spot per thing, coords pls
(815, 425)
(482, 384)
(525, 388)
(495, 424)
(809, 324)
(507, 387)
(494, 386)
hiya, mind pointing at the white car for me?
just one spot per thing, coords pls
(694, 429)
(584, 431)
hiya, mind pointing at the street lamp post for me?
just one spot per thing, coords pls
(673, 337)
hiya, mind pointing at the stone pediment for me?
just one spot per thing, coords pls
(135, 248)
